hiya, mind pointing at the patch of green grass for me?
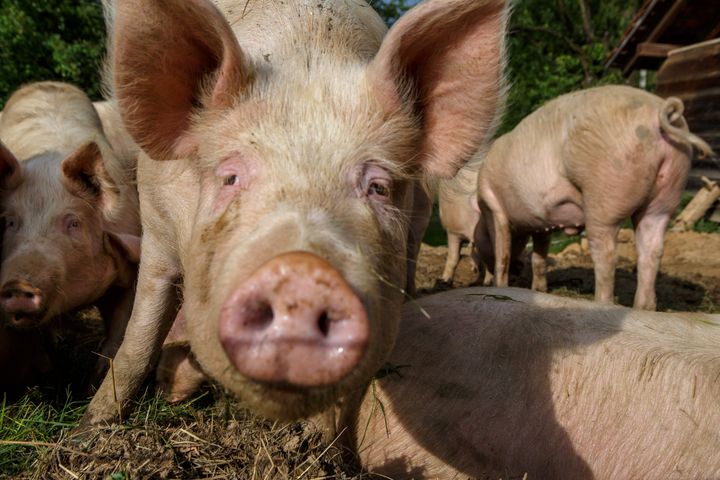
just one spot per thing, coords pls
(559, 241)
(30, 424)
(706, 226)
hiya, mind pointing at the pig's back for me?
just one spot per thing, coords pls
(48, 117)
(500, 382)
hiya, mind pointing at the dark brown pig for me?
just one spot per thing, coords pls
(543, 387)
(284, 141)
(591, 159)
(71, 223)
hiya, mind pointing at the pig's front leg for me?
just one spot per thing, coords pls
(152, 316)
(649, 236)
(541, 245)
(603, 242)
(453, 257)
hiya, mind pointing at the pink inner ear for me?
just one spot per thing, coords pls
(451, 52)
(81, 168)
(165, 54)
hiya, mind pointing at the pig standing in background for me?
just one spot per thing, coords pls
(590, 158)
(70, 211)
(458, 215)
(284, 142)
(543, 387)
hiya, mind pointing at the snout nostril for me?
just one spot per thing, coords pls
(324, 324)
(260, 317)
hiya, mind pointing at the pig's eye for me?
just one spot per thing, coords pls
(11, 222)
(376, 183)
(377, 189)
(230, 180)
(71, 223)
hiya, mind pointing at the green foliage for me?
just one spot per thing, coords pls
(391, 10)
(552, 50)
(50, 40)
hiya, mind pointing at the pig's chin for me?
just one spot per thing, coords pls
(286, 402)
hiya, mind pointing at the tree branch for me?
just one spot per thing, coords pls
(586, 20)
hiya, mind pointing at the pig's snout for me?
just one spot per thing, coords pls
(22, 302)
(295, 322)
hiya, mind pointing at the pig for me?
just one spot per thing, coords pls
(71, 219)
(459, 213)
(282, 143)
(539, 386)
(588, 159)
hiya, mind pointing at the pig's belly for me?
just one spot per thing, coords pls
(556, 206)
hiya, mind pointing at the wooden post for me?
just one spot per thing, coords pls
(697, 207)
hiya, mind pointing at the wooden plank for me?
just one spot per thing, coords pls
(654, 50)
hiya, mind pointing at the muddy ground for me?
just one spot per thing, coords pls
(689, 278)
(214, 437)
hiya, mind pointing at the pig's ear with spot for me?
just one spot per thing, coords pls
(84, 175)
(170, 59)
(443, 60)
(10, 172)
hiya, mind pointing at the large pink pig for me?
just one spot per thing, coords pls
(70, 212)
(542, 387)
(592, 159)
(284, 141)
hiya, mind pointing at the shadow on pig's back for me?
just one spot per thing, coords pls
(484, 404)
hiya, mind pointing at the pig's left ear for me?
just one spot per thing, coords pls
(84, 175)
(444, 60)
(10, 173)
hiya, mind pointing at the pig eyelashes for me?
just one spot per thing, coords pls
(376, 184)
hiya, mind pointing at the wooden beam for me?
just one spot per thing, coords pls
(654, 50)
(662, 25)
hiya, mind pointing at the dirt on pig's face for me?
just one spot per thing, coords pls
(306, 169)
(54, 254)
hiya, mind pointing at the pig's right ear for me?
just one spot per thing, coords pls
(170, 58)
(10, 173)
(443, 62)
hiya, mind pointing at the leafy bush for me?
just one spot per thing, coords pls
(50, 40)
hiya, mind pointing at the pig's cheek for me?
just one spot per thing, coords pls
(223, 198)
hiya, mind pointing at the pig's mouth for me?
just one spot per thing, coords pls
(23, 320)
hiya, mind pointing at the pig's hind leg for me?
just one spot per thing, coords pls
(541, 245)
(649, 239)
(603, 242)
(453, 257)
